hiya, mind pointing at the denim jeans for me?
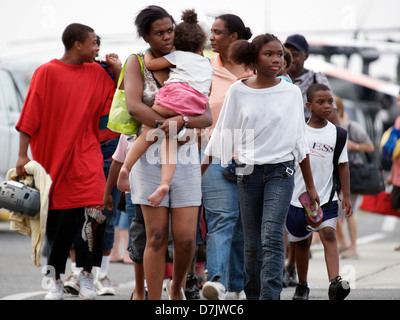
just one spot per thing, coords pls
(264, 197)
(107, 149)
(224, 239)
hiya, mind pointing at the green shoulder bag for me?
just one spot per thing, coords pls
(119, 119)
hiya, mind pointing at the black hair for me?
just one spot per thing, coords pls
(75, 32)
(245, 52)
(234, 24)
(189, 35)
(314, 88)
(147, 16)
(287, 56)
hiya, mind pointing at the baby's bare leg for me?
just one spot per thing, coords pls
(168, 157)
(138, 148)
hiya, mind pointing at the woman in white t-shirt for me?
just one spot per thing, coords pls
(262, 126)
(185, 93)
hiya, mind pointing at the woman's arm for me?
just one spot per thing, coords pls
(200, 121)
(359, 147)
(205, 164)
(133, 86)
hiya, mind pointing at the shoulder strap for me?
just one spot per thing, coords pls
(341, 137)
(121, 75)
(141, 63)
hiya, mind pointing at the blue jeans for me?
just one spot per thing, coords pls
(224, 240)
(264, 197)
(108, 149)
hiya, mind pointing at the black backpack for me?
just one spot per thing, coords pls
(341, 137)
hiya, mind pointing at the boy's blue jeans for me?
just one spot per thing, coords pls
(264, 197)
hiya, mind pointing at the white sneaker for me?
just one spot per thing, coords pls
(213, 290)
(71, 285)
(103, 286)
(240, 295)
(86, 287)
(56, 290)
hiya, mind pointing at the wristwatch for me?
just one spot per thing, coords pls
(185, 120)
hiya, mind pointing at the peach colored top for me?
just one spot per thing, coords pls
(221, 82)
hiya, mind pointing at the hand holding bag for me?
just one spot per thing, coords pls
(119, 118)
(365, 178)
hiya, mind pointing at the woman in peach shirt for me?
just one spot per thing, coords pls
(221, 208)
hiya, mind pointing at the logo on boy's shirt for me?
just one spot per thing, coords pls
(317, 148)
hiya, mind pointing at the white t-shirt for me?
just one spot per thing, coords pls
(191, 68)
(322, 144)
(260, 126)
(122, 149)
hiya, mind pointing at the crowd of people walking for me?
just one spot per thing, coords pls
(226, 148)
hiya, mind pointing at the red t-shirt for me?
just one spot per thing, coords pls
(61, 114)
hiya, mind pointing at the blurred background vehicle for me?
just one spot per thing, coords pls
(11, 101)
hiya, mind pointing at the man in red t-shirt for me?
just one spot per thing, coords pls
(60, 122)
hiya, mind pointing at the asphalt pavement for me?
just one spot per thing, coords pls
(374, 275)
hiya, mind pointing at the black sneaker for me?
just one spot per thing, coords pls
(338, 289)
(290, 277)
(285, 278)
(192, 290)
(302, 291)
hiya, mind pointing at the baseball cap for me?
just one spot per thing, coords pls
(298, 41)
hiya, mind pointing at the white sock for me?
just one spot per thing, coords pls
(102, 271)
(75, 269)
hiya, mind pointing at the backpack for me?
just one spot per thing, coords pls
(341, 138)
(389, 147)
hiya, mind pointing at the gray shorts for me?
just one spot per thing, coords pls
(185, 187)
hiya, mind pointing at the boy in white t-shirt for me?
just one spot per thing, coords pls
(321, 136)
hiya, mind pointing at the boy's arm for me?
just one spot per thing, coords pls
(23, 158)
(111, 181)
(344, 177)
(153, 63)
(308, 179)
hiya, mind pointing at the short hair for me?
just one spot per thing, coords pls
(189, 35)
(75, 32)
(314, 88)
(147, 16)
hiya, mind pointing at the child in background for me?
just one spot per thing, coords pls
(321, 136)
(186, 93)
(287, 61)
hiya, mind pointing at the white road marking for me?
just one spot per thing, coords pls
(24, 295)
(389, 223)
